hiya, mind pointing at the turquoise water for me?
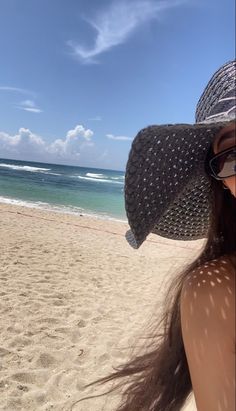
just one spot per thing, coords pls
(62, 188)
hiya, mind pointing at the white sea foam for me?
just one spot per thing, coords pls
(41, 205)
(100, 180)
(13, 201)
(93, 175)
(29, 169)
(58, 209)
(118, 178)
(24, 168)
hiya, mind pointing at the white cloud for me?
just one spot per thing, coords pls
(76, 140)
(17, 90)
(27, 145)
(118, 22)
(29, 105)
(24, 142)
(8, 141)
(121, 138)
(80, 131)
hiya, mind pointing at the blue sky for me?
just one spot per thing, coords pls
(80, 78)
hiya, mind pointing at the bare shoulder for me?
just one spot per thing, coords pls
(207, 312)
(213, 276)
(208, 295)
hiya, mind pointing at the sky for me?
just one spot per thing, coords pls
(79, 79)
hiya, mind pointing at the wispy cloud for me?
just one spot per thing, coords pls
(29, 105)
(32, 110)
(120, 138)
(118, 22)
(18, 90)
(26, 105)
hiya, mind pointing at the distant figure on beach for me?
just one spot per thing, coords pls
(181, 184)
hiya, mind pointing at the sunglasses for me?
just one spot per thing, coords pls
(223, 165)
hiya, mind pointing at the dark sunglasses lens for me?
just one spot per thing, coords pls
(224, 165)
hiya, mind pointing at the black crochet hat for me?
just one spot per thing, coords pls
(167, 185)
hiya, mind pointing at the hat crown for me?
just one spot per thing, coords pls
(218, 100)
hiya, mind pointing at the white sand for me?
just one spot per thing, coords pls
(74, 299)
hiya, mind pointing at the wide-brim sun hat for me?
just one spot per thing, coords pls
(167, 183)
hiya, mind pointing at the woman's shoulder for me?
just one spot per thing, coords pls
(214, 274)
(208, 294)
(207, 313)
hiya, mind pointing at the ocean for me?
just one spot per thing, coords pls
(66, 189)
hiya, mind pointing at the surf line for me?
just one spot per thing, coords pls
(90, 228)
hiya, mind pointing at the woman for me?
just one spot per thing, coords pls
(181, 184)
(207, 305)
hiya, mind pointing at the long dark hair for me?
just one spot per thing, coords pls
(159, 379)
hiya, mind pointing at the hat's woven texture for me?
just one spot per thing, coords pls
(220, 86)
(167, 186)
(166, 182)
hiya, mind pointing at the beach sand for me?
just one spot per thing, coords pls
(75, 299)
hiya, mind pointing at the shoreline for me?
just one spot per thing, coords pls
(57, 209)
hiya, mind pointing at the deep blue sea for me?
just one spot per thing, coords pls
(61, 188)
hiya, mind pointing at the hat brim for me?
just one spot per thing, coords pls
(167, 185)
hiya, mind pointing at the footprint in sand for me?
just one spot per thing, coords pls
(34, 399)
(8, 357)
(26, 377)
(20, 342)
(46, 360)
